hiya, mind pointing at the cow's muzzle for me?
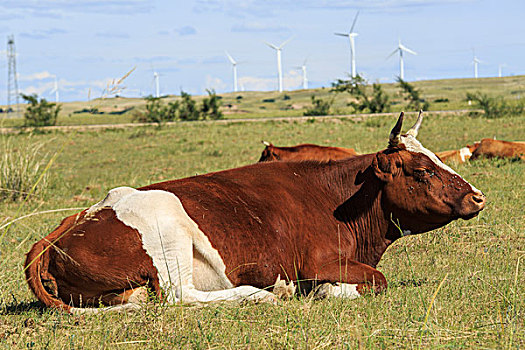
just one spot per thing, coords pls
(472, 204)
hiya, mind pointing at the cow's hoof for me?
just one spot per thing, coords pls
(323, 291)
(263, 296)
(283, 290)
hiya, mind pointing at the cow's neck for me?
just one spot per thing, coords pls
(357, 193)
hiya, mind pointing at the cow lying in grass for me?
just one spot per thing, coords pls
(458, 156)
(229, 235)
(490, 148)
(306, 151)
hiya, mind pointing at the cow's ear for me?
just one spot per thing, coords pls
(382, 166)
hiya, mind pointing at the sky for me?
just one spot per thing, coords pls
(88, 45)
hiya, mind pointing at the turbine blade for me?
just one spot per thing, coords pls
(406, 49)
(393, 53)
(285, 42)
(272, 46)
(230, 58)
(353, 24)
(342, 34)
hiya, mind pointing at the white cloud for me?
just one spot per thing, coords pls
(259, 27)
(36, 76)
(43, 89)
(268, 8)
(291, 80)
(215, 83)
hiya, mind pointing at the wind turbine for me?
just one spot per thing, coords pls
(279, 67)
(303, 69)
(156, 76)
(475, 62)
(351, 35)
(55, 90)
(234, 66)
(401, 48)
(500, 68)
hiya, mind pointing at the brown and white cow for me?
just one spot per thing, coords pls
(306, 151)
(228, 235)
(491, 148)
(458, 156)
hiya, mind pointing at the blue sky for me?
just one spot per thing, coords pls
(88, 43)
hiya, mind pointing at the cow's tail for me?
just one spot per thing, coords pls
(35, 266)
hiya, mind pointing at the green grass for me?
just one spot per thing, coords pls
(480, 304)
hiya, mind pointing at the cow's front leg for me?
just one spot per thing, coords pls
(348, 279)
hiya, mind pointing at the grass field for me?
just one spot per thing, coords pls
(474, 266)
(447, 94)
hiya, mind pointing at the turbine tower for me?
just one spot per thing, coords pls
(475, 62)
(279, 67)
(351, 35)
(401, 48)
(157, 84)
(55, 90)
(500, 69)
(12, 80)
(234, 67)
(303, 69)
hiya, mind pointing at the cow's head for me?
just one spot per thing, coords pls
(420, 190)
(269, 154)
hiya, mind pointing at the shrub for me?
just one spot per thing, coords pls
(286, 97)
(157, 112)
(375, 101)
(495, 106)
(412, 95)
(319, 107)
(40, 112)
(188, 108)
(20, 169)
(210, 106)
(269, 100)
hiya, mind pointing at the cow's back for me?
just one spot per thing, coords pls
(243, 211)
(491, 148)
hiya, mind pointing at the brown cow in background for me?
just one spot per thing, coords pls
(458, 156)
(491, 148)
(306, 151)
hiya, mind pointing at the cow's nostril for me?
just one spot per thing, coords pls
(478, 198)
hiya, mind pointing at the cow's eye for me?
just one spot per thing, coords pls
(420, 173)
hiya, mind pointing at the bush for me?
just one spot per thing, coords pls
(412, 95)
(20, 169)
(157, 112)
(375, 101)
(40, 112)
(188, 108)
(185, 109)
(495, 106)
(319, 107)
(269, 100)
(210, 106)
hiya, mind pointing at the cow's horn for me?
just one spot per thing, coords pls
(394, 134)
(414, 130)
(266, 143)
